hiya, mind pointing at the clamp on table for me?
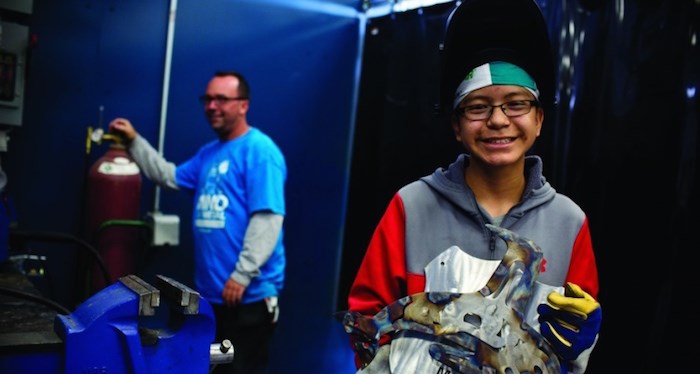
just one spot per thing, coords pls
(119, 330)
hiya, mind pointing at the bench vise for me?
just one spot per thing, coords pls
(121, 329)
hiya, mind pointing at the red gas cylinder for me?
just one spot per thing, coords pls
(113, 194)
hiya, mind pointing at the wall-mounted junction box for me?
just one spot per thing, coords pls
(165, 229)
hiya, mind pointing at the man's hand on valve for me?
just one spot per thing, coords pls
(570, 322)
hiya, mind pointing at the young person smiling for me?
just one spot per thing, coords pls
(433, 235)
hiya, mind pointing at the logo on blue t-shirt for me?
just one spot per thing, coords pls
(212, 202)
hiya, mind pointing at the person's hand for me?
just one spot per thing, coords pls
(570, 322)
(233, 292)
(122, 127)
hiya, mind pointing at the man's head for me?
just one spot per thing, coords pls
(226, 103)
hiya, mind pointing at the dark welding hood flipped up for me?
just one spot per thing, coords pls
(480, 31)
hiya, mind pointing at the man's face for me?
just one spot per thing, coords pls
(224, 109)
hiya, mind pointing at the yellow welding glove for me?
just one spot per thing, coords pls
(570, 322)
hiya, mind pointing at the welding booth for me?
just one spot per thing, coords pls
(96, 261)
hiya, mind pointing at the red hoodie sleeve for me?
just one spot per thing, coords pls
(582, 268)
(381, 278)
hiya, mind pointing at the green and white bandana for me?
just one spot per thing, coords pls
(492, 73)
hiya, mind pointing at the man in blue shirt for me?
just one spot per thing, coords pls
(238, 185)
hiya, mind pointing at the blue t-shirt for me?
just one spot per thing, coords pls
(232, 180)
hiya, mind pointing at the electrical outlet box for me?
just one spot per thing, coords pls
(165, 229)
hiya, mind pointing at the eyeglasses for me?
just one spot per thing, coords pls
(480, 112)
(219, 100)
